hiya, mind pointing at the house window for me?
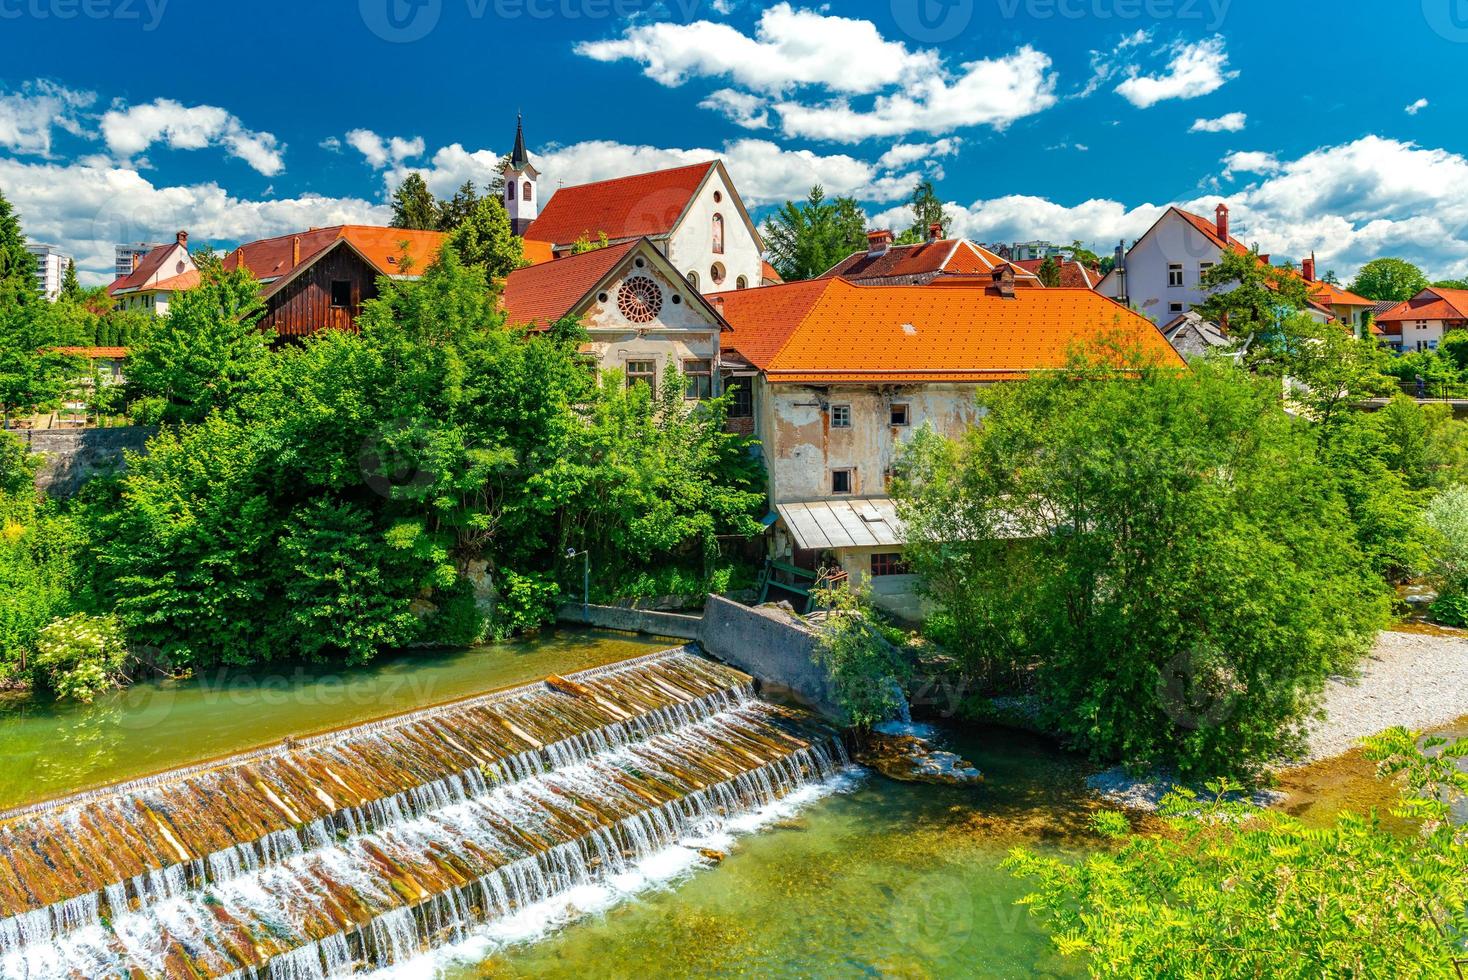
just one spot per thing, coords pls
(840, 416)
(889, 563)
(341, 293)
(741, 283)
(1174, 307)
(843, 481)
(1203, 268)
(700, 377)
(741, 396)
(718, 234)
(525, 191)
(901, 414)
(645, 372)
(1175, 274)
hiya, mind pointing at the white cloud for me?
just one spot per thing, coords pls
(789, 48)
(1417, 107)
(741, 108)
(902, 154)
(331, 143)
(381, 153)
(28, 116)
(1250, 162)
(130, 131)
(1105, 64)
(764, 172)
(87, 208)
(1195, 70)
(1348, 204)
(988, 92)
(1232, 122)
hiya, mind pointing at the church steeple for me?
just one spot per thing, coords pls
(521, 195)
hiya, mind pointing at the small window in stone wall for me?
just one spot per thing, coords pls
(741, 396)
(700, 377)
(901, 415)
(840, 416)
(843, 481)
(642, 372)
(890, 563)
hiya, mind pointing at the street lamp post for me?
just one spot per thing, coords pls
(571, 555)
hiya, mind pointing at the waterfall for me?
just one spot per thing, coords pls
(373, 845)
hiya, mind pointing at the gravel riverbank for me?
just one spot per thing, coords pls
(1415, 679)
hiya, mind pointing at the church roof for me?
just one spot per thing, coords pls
(622, 208)
(518, 157)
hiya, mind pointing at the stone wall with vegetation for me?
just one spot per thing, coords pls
(74, 456)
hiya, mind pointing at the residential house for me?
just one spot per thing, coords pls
(693, 215)
(1073, 274)
(842, 375)
(1349, 309)
(1420, 322)
(155, 277)
(886, 264)
(51, 265)
(642, 316)
(318, 280)
(1193, 336)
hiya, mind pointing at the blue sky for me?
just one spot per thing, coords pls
(1059, 119)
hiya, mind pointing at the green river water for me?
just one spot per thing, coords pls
(878, 879)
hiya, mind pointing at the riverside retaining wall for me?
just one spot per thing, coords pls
(675, 625)
(74, 456)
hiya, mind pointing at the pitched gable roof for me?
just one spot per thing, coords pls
(1210, 230)
(151, 266)
(1430, 304)
(831, 330)
(546, 292)
(917, 263)
(1073, 274)
(274, 260)
(624, 207)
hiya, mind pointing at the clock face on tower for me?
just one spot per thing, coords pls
(640, 299)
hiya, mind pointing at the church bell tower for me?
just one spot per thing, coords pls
(522, 195)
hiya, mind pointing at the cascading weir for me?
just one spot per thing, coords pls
(361, 848)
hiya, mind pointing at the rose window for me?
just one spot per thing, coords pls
(639, 299)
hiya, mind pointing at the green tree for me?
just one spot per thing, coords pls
(1049, 272)
(18, 283)
(457, 209)
(205, 355)
(585, 243)
(33, 375)
(1389, 279)
(1138, 537)
(1228, 889)
(806, 239)
(927, 210)
(1451, 284)
(414, 206)
(71, 287)
(483, 239)
(1250, 298)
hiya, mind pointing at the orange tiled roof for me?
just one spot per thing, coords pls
(536, 252)
(174, 284)
(913, 264)
(624, 207)
(830, 330)
(148, 265)
(94, 352)
(1073, 274)
(544, 293)
(1430, 304)
(274, 258)
(1332, 295)
(1210, 229)
(770, 274)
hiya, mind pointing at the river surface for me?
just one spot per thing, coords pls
(54, 748)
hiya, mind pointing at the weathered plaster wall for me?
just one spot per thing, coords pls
(690, 247)
(683, 330)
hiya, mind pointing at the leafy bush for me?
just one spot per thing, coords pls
(1231, 890)
(525, 604)
(869, 671)
(81, 656)
(1447, 518)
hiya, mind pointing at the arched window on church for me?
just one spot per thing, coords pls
(525, 191)
(692, 278)
(509, 192)
(718, 234)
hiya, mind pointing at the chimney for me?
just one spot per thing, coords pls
(137, 257)
(183, 239)
(1120, 266)
(935, 231)
(295, 251)
(1222, 214)
(1003, 276)
(879, 241)
(1307, 268)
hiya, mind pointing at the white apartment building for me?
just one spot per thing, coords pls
(51, 265)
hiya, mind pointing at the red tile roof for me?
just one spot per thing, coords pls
(1332, 295)
(536, 252)
(275, 258)
(1073, 274)
(829, 331)
(1430, 304)
(1209, 227)
(770, 274)
(148, 266)
(94, 353)
(174, 284)
(919, 263)
(543, 294)
(624, 207)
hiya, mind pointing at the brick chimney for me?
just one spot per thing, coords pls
(295, 251)
(1003, 276)
(1222, 216)
(182, 238)
(137, 257)
(1307, 268)
(935, 231)
(879, 241)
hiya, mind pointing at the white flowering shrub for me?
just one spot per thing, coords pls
(81, 656)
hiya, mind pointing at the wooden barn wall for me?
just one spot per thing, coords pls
(304, 306)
